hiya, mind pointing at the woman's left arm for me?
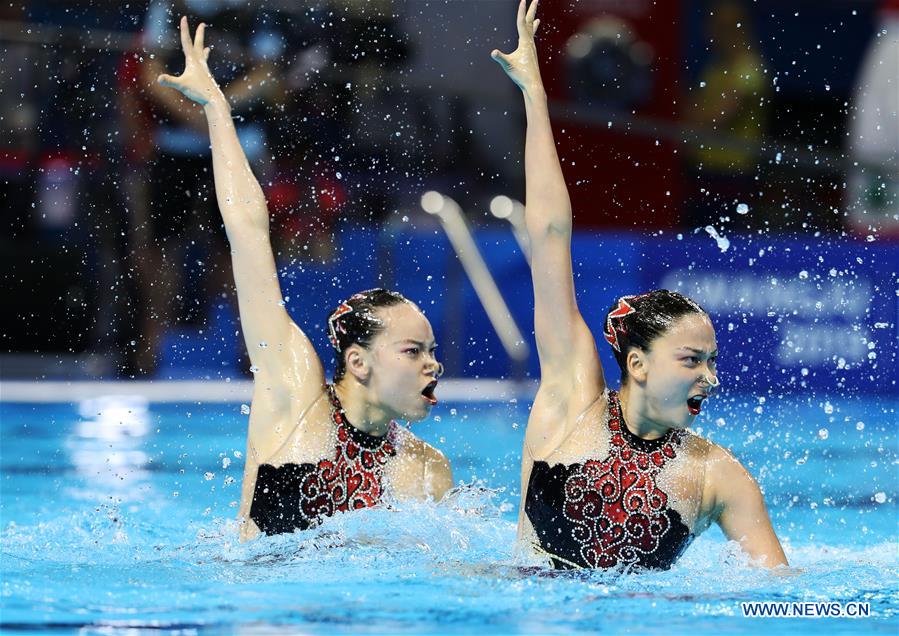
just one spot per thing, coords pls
(741, 511)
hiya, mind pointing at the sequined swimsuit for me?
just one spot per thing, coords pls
(299, 496)
(610, 512)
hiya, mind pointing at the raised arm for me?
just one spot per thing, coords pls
(281, 354)
(740, 509)
(568, 358)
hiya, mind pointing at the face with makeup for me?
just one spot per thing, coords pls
(678, 371)
(401, 364)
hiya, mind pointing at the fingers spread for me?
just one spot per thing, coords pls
(519, 22)
(200, 35)
(536, 25)
(185, 36)
(166, 80)
(532, 10)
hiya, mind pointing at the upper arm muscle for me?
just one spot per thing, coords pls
(743, 516)
(565, 345)
(275, 344)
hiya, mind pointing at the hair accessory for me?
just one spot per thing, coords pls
(334, 326)
(611, 332)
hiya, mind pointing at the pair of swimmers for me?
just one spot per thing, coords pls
(609, 478)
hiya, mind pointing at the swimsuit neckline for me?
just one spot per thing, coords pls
(632, 439)
(365, 440)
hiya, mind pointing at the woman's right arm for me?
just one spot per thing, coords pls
(569, 364)
(283, 358)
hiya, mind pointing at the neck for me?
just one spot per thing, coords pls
(360, 410)
(635, 413)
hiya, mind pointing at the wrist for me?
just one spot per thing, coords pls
(217, 105)
(534, 93)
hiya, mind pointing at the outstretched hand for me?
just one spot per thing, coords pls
(521, 65)
(196, 82)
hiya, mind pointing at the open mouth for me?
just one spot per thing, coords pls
(427, 393)
(694, 404)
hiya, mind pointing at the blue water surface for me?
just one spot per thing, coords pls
(118, 514)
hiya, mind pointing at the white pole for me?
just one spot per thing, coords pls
(502, 207)
(453, 222)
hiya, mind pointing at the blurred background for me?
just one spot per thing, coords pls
(744, 152)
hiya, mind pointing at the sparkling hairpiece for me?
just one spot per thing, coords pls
(623, 309)
(342, 310)
(334, 326)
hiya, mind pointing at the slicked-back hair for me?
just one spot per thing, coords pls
(636, 321)
(355, 321)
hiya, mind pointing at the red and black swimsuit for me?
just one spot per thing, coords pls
(299, 496)
(603, 514)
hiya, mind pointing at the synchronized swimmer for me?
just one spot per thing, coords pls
(615, 478)
(314, 448)
(609, 478)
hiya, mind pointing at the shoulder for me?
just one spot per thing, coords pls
(721, 461)
(550, 427)
(436, 470)
(727, 479)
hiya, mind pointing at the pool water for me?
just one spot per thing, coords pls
(118, 514)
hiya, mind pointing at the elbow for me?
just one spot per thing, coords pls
(544, 228)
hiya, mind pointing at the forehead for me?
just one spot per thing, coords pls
(693, 330)
(405, 321)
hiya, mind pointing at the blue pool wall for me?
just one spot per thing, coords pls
(791, 314)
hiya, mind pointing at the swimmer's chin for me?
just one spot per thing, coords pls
(418, 415)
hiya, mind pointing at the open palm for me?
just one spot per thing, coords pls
(521, 65)
(196, 82)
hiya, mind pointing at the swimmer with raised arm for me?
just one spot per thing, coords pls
(313, 448)
(615, 478)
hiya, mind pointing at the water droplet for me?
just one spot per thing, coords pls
(226, 461)
(208, 476)
(742, 208)
(828, 408)
(823, 433)
(803, 274)
(880, 497)
(859, 426)
(723, 243)
(254, 369)
(245, 408)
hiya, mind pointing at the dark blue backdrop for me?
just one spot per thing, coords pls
(791, 314)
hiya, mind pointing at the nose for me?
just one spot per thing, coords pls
(711, 381)
(434, 367)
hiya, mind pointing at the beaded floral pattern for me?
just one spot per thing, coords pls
(617, 510)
